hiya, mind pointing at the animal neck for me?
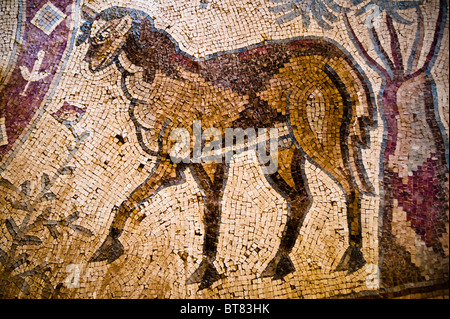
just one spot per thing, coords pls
(127, 64)
(155, 50)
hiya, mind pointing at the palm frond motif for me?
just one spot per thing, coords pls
(391, 8)
(320, 10)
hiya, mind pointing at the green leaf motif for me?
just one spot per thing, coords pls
(11, 226)
(3, 256)
(72, 217)
(45, 181)
(82, 230)
(320, 10)
(21, 259)
(26, 190)
(5, 183)
(30, 240)
(66, 170)
(391, 7)
(53, 230)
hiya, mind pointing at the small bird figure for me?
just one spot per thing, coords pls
(34, 75)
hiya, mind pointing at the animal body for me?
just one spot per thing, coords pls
(307, 85)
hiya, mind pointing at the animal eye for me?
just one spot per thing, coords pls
(102, 36)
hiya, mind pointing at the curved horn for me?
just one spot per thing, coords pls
(88, 13)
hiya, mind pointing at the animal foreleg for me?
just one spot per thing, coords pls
(111, 249)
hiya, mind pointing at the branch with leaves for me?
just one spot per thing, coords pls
(22, 235)
(324, 13)
(395, 70)
(320, 10)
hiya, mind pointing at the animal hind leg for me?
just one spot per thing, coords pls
(299, 201)
(353, 258)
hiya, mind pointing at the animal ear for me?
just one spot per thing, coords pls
(124, 25)
(88, 14)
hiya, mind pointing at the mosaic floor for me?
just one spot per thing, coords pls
(224, 149)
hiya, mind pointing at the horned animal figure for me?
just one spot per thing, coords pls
(309, 86)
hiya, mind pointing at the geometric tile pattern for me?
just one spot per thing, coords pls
(48, 18)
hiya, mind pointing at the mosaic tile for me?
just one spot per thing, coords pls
(48, 18)
(283, 149)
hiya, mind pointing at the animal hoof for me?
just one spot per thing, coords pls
(206, 274)
(110, 250)
(279, 267)
(352, 260)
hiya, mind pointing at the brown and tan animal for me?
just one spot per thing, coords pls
(309, 86)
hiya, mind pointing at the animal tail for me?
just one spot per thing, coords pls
(358, 138)
(357, 130)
